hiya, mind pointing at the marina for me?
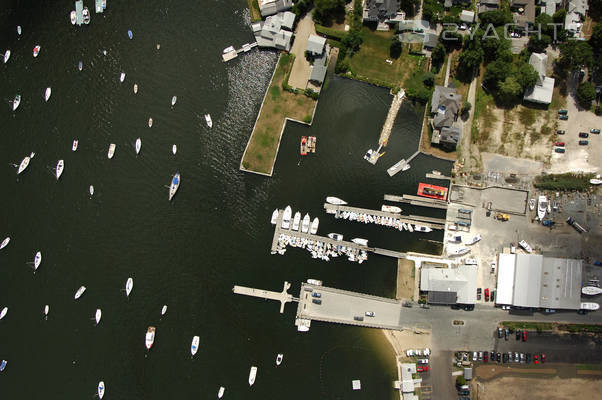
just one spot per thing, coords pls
(392, 219)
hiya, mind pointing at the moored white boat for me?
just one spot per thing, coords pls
(23, 164)
(16, 101)
(410, 228)
(542, 207)
(122, 77)
(129, 284)
(19, 30)
(175, 184)
(305, 224)
(194, 346)
(73, 17)
(46, 310)
(252, 375)
(591, 290)
(589, 306)
(391, 209)
(37, 260)
(220, 392)
(360, 241)
(173, 100)
(3, 312)
(91, 190)
(135, 88)
(79, 292)
(274, 218)
(286, 217)
(36, 50)
(174, 149)
(335, 236)
(335, 201)
(459, 251)
(98, 315)
(59, 169)
(229, 49)
(80, 65)
(532, 204)
(111, 152)
(6, 56)
(164, 309)
(422, 228)
(101, 389)
(4, 243)
(315, 282)
(3, 365)
(279, 358)
(138, 145)
(208, 120)
(314, 226)
(75, 144)
(595, 181)
(474, 240)
(130, 34)
(47, 93)
(149, 339)
(525, 246)
(86, 15)
(150, 122)
(296, 221)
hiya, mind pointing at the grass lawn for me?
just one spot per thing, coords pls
(278, 104)
(254, 10)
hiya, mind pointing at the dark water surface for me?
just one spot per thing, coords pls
(214, 234)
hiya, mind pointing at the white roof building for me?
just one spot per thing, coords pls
(450, 285)
(275, 31)
(407, 382)
(467, 16)
(544, 88)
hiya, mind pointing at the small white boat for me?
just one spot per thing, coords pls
(130, 34)
(542, 207)
(391, 209)
(422, 228)
(138, 145)
(111, 152)
(101, 389)
(460, 251)
(279, 358)
(16, 102)
(296, 221)
(150, 122)
(286, 217)
(173, 100)
(314, 226)
(80, 65)
(335, 201)
(86, 15)
(410, 228)
(3, 312)
(595, 181)
(6, 56)
(315, 282)
(59, 169)
(79, 292)
(471, 261)
(525, 246)
(73, 17)
(98, 315)
(23, 164)
(220, 392)
(122, 77)
(128, 286)
(229, 49)
(532, 204)
(194, 346)
(74, 146)
(252, 375)
(590, 306)
(46, 310)
(274, 217)
(360, 241)
(4, 243)
(335, 236)
(305, 224)
(91, 190)
(174, 149)
(208, 120)
(135, 88)
(474, 240)
(47, 93)
(19, 30)
(3, 365)
(36, 50)
(175, 184)
(37, 260)
(164, 309)
(149, 339)
(591, 290)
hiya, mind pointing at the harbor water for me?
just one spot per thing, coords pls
(214, 234)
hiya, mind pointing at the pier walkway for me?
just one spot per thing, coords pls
(234, 53)
(433, 223)
(417, 201)
(393, 110)
(402, 165)
(283, 297)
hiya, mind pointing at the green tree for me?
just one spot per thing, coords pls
(428, 79)
(431, 10)
(495, 73)
(559, 16)
(325, 10)
(595, 40)
(450, 39)
(395, 48)
(526, 76)
(510, 89)
(586, 93)
(538, 44)
(438, 55)
(497, 17)
(469, 61)
(574, 54)
(545, 21)
(352, 41)
(410, 6)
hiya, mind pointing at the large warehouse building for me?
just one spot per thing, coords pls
(450, 285)
(535, 281)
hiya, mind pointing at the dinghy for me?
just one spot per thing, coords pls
(138, 145)
(74, 146)
(130, 35)
(80, 66)
(6, 56)
(122, 77)
(3, 312)
(149, 339)
(98, 315)
(91, 190)
(79, 292)
(274, 218)
(150, 122)
(314, 226)
(252, 375)
(23, 164)
(128, 286)
(111, 152)
(173, 100)
(175, 184)
(174, 149)
(221, 391)
(16, 102)
(135, 88)
(208, 120)
(101, 389)
(4, 243)
(335, 201)
(36, 50)
(194, 347)
(279, 358)
(164, 309)
(47, 94)
(37, 260)
(59, 169)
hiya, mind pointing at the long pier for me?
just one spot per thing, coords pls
(283, 297)
(393, 110)
(417, 201)
(434, 223)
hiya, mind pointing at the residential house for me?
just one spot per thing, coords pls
(544, 88)
(467, 17)
(575, 14)
(382, 12)
(315, 45)
(488, 5)
(412, 25)
(524, 13)
(450, 137)
(549, 6)
(318, 50)
(449, 3)
(430, 40)
(445, 106)
(275, 31)
(271, 7)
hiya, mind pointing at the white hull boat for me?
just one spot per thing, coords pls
(315, 282)
(3, 364)
(314, 226)
(590, 306)
(532, 204)
(422, 228)
(98, 316)
(19, 30)
(47, 93)
(360, 241)
(542, 206)
(130, 34)
(305, 224)
(221, 391)
(335, 201)
(4, 243)
(591, 290)
(286, 218)
(252, 375)
(138, 145)
(174, 149)
(164, 309)
(74, 146)
(474, 240)
(3, 312)
(73, 17)
(80, 65)
(46, 310)
(135, 88)
(279, 358)
(36, 50)
(101, 389)
(111, 152)
(59, 169)
(390, 209)
(296, 221)
(525, 246)
(274, 218)
(150, 122)
(194, 347)
(149, 339)
(16, 102)
(91, 190)
(335, 236)
(122, 77)
(175, 184)
(208, 120)
(229, 49)
(37, 260)
(23, 164)
(410, 228)
(79, 292)
(595, 181)
(460, 251)
(6, 56)
(173, 101)
(128, 286)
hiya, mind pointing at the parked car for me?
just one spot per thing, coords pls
(583, 143)
(560, 132)
(498, 357)
(410, 353)
(583, 134)
(357, 317)
(528, 358)
(316, 301)
(516, 357)
(561, 144)
(559, 150)
(504, 358)
(422, 368)
(370, 314)
(563, 117)
(492, 356)
(524, 336)
(316, 294)
(485, 357)
(422, 361)
(535, 359)
(492, 268)
(594, 130)
(543, 358)
(522, 358)
(492, 298)
(480, 356)
(486, 294)
(507, 333)
(502, 217)
(475, 356)
(464, 392)
(563, 111)
(518, 334)
(500, 333)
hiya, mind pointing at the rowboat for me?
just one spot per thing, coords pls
(221, 391)
(59, 169)
(16, 101)
(279, 358)
(101, 389)
(335, 201)
(74, 146)
(138, 145)
(174, 149)
(274, 218)
(150, 337)
(128, 286)
(194, 346)
(36, 50)
(4, 243)
(314, 226)
(111, 152)
(98, 315)
(6, 56)
(3, 312)
(37, 260)
(79, 292)
(173, 100)
(150, 122)
(122, 77)
(175, 184)
(47, 93)
(23, 164)
(252, 375)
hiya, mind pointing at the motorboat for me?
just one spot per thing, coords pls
(80, 65)
(91, 190)
(164, 309)
(335, 201)
(410, 228)
(174, 149)
(74, 146)
(175, 184)
(422, 228)
(138, 145)
(595, 181)
(274, 218)
(252, 375)
(150, 122)
(542, 206)
(229, 49)
(296, 221)
(589, 306)
(335, 236)
(129, 284)
(390, 209)
(16, 101)
(591, 290)
(73, 17)
(279, 358)
(532, 204)
(23, 164)
(101, 389)
(6, 56)
(122, 77)
(46, 310)
(3, 365)
(36, 50)
(305, 224)
(19, 30)
(173, 100)
(360, 241)
(47, 93)
(525, 246)
(98, 316)
(314, 226)
(315, 282)
(150, 337)
(59, 169)
(474, 240)
(4, 243)
(111, 152)
(208, 120)
(130, 35)
(194, 347)
(286, 217)
(86, 15)
(460, 251)
(471, 261)
(79, 292)
(135, 88)
(3, 312)
(220, 392)
(37, 260)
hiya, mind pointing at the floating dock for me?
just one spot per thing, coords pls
(417, 201)
(435, 223)
(100, 6)
(283, 297)
(230, 55)
(402, 165)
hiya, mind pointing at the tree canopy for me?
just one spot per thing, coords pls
(586, 93)
(325, 10)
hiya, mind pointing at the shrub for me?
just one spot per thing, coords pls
(560, 182)
(586, 93)
(460, 381)
(428, 79)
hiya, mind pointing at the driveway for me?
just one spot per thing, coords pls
(301, 67)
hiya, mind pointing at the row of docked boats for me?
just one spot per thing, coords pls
(306, 224)
(392, 222)
(324, 249)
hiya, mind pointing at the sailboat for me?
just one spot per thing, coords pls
(164, 309)
(335, 201)
(175, 184)
(208, 120)
(128, 286)
(252, 375)
(23, 164)
(3, 312)
(4, 243)
(194, 346)
(19, 30)
(314, 226)
(79, 292)
(122, 77)
(274, 218)
(174, 149)
(16, 101)
(305, 224)
(221, 391)
(111, 152)
(173, 101)
(6, 56)
(98, 315)
(101, 389)
(150, 122)
(138, 145)
(37, 260)
(47, 93)
(46, 311)
(279, 358)
(59, 169)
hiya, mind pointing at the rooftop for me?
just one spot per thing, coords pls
(315, 44)
(462, 280)
(467, 16)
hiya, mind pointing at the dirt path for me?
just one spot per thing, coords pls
(468, 150)
(301, 67)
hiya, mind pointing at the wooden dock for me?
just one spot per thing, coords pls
(435, 223)
(438, 176)
(234, 53)
(417, 201)
(283, 297)
(401, 165)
